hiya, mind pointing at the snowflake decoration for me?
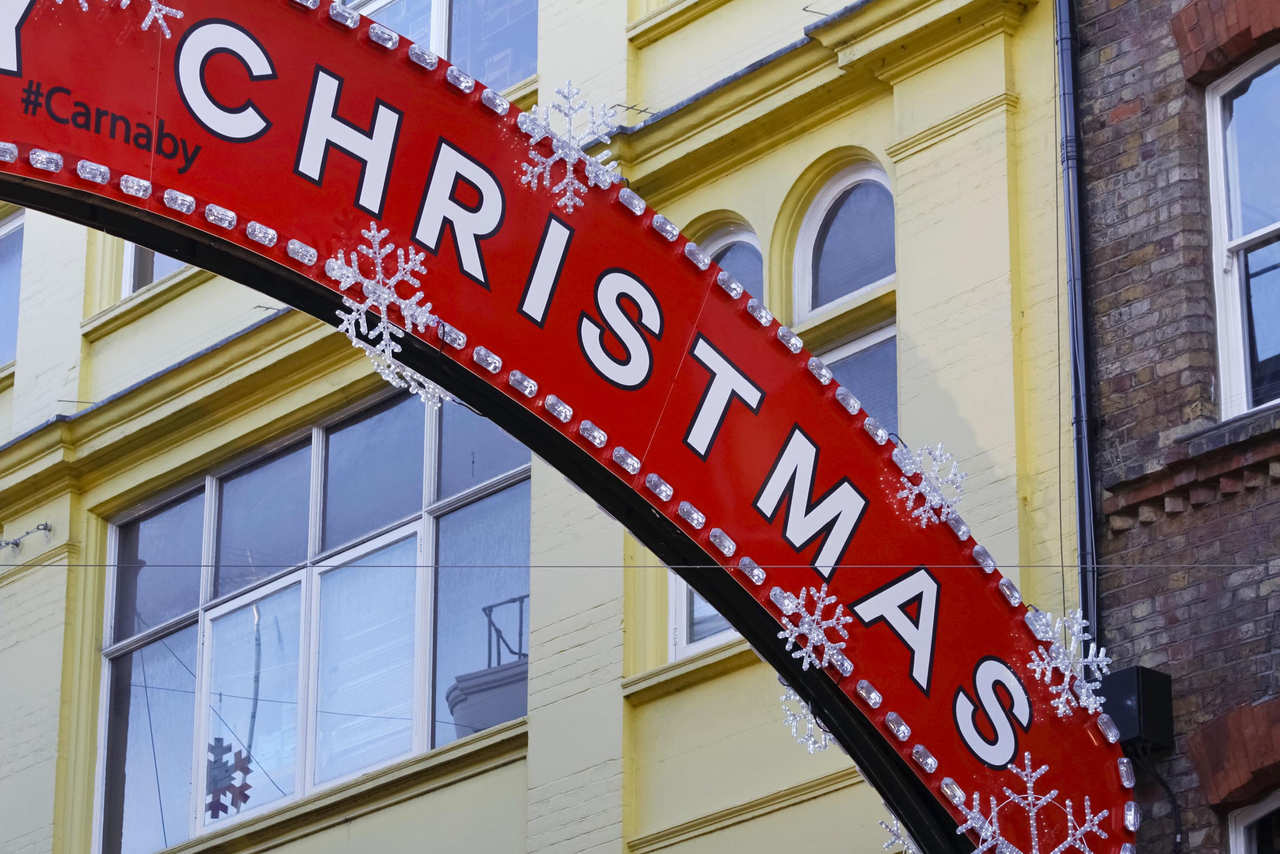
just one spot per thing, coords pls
(797, 715)
(569, 148)
(1080, 667)
(941, 486)
(988, 826)
(377, 294)
(155, 15)
(899, 840)
(221, 780)
(817, 648)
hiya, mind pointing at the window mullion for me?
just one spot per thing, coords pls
(439, 38)
(426, 628)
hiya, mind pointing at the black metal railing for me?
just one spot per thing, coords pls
(498, 640)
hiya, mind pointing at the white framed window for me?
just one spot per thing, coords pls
(868, 367)
(1243, 111)
(736, 248)
(1255, 829)
(343, 599)
(846, 241)
(695, 625)
(495, 41)
(142, 266)
(10, 284)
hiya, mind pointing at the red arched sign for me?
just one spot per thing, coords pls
(260, 138)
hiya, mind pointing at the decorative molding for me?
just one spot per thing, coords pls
(664, 21)
(142, 302)
(523, 94)
(68, 549)
(950, 126)
(7, 374)
(469, 757)
(739, 813)
(687, 672)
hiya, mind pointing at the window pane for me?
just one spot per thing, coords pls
(159, 566)
(253, 705)
(1252, 113)
(704, 621)
(482, 615)
(473, 449)
(365, 486)
(1262, 295)
(151, 266)
(495, 41)
(152, 713)
(262, 525)
(855, 243)
(872, 375)
(364, 689)
(10, 279)
(1264, 834)
(410, 18)
(744, 262)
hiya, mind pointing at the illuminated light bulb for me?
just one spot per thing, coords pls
(699, 258)
(180, 202)
(869, 694)
(631, 201)
(47, 161)
(491, 99)
(260, 233)
(923, 758)
(627, 460)
(301, 252)
(220, 216)
(756, 309)
(752, 570)
(559, 410)
(897, 726)
(846, 398)
(1011, 592)
(487, 359)
(665, 227)
(419, 55)
(342, 15)
(452, 335)
(691, 514)
(459, 80)
(384, 36)
(522, 384)
(658, 486)
(789, 339)
(723, 542)
(592, 434)
(95, 172)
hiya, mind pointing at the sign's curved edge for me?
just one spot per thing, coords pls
(930, 825)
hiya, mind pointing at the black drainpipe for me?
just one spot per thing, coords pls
(1089, 595)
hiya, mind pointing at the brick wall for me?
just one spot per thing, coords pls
(1191, 539)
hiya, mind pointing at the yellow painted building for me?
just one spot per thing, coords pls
(209, 567)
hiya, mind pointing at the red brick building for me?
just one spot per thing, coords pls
(1179, 122)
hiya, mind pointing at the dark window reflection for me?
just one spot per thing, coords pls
(262, 526)
(1262, 298)
(854, 247)
(159, 566)
(872, 375)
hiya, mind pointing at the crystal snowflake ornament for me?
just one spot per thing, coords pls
(155, 15)
(798, 717)
(935, 498)
(817, 649)
(569, 147)
(899, 840)
(374, 296)
(1073, 658)
(991, 838)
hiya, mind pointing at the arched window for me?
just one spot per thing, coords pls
(846, 241)
(737, 249)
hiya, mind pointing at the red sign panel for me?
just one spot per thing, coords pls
(320, 157)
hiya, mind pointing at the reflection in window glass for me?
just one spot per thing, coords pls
(1263, 836)
(854, 247)
(1252, 116)
(367, 488)
(743, 261)
(872, 375)
(495, 41)
(262, 520)
(482, 614)
(10, 281)
(704, 621)
(151, 266)
(473, 449)
(253, 703)
(1262, 292)
(364, 692)
(148, 786)
(409, 18)
(159, 566)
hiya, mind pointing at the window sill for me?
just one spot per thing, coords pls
(384, 787)
(668, 19)
(857, 314)
(687, 672)
(7, 373)
(523, 94)
(142, 302)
